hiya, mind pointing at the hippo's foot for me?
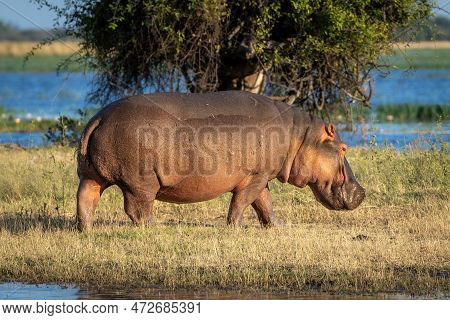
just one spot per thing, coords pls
(138, 206)
(145, 222)
(264, 210)
(273, 223)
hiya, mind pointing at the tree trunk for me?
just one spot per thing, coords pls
(242, 74)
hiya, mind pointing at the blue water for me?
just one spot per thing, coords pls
(22, 291)
(398, 136)
(23, 139)
(48, 95)
(45, 95)
(412, 87)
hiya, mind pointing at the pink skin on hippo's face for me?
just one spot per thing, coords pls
(323, 167)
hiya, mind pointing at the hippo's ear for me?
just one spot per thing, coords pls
(330, 130)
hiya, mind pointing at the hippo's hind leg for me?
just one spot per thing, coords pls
(264, 210)
(89, 192)
(138, 199)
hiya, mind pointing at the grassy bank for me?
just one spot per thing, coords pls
(419, 58)
(27, 125)
(396, 113)
(398, 240)
(11, 121)
(35, 64)
(21, 48)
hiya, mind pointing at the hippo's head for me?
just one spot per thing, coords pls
(318, 160)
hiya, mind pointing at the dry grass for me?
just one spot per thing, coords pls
(397, 241)
(424, 45)
(65, 48)
(21, 48)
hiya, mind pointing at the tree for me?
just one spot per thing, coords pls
(313, 52)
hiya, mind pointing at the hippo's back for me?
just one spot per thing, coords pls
(179, 106)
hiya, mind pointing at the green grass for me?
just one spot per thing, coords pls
(413, 113)
(34, 64)
(419, 59)
(27, 125)
(397, 241)
(393, 113)
(401, 59)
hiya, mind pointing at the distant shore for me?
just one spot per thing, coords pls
(419, 55)
(65, 48)
(21, 48)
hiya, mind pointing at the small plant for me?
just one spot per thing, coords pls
(66, 131)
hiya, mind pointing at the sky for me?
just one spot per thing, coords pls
(25, 15)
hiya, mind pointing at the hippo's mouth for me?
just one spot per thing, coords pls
(332, 198)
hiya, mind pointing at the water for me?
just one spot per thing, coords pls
(21, 291)
(397, 136)
(412, 87)
(48, 95)
(23, 139)
(45, 95)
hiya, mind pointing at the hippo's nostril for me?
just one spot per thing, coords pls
(354, 198)
(360, 196)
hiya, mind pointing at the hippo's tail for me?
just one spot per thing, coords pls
(84, 141)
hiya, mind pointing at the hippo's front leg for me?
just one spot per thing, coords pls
(243, 197)
(264, 210)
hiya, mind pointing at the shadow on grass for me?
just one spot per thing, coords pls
(174, 223)
(23, 222)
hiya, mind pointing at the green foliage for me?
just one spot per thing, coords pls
(411, 113)
(66, 131)
(390, 113)
(315, 52)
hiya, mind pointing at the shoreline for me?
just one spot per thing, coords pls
(419, 55)
(28, 291)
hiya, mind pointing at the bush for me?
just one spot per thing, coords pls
(66, 131)
(308, 52)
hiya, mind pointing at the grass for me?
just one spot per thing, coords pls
(35, 64)
(26, 125)
(21, 48)
(394, 113)
(412, 113)
(397, 241)
(419, 59)
(429, 56)
(383, 113)
(12, 121)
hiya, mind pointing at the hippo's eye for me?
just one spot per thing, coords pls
(331, 146)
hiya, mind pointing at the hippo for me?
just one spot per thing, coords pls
(192, 147)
